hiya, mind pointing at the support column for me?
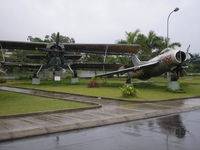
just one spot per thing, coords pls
(128, 80)
(173, 83)
(35, 79)
(74, 79)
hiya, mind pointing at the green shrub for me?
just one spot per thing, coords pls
(128, 91)
(2, 80)
(25, 77)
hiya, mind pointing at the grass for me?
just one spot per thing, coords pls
(111, 88)
(15, 103)
(185, 79)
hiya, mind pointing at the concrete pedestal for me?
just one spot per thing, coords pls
(173, 85)
(35, 80)
(74, 80)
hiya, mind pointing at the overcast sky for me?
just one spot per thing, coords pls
(100, 21)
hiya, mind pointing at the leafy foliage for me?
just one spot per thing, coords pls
(2, 80)
(194, 64)
(93, 58)
(24, 77)
(51, 38)
(131, 37)
(151, 44)
(128, 91)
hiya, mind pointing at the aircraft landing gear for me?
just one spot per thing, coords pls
(36, 79)
(75, 75)
(128, 80)
(173, 84)
(174, 77)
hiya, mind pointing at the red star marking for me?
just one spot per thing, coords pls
(167, 59)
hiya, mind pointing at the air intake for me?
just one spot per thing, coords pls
(180, 56)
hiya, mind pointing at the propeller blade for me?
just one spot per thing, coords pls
(188, 56)
(191, 56)
(188, 49)
(57, 39)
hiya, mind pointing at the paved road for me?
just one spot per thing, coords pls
(110, 112)
(174, 132)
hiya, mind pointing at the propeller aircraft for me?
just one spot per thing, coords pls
(60, 56)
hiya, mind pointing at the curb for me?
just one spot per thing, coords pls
(90, 124)
(49, 112)
(97, 97)
(34, 94)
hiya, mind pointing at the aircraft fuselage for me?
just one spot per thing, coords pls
(167, 61)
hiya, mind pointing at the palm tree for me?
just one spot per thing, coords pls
(131, 37)
(165, 43)
(151, 45)
(148, 44)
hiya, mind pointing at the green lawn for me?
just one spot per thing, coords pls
(15, 103)
(111, 88)
(185, 79)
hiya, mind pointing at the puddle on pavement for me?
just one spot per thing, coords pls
(174, 132)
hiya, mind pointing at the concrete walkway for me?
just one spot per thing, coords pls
(111, 112)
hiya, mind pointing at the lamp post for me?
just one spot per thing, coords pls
(175, 10)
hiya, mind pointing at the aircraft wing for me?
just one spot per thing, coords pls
(109, 49)
(127, 69)
(22, 45)
(72, 57)
(17, 64)
(95, 66)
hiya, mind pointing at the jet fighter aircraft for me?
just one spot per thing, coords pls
(169, 60)
(65, 55)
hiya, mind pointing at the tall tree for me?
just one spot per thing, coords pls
(51, 38)
(131, 37)
(148, 44)
(166, 43)
(151, 45)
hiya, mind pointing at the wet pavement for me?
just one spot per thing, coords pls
(111, 112)
(174, 132)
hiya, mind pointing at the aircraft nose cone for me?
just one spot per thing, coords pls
(180, 56)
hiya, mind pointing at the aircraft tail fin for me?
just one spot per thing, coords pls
(135, 60)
